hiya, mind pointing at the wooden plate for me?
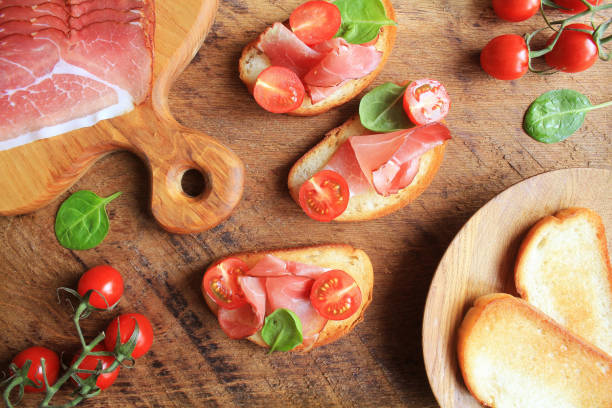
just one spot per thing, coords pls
(480, 260)
(34, 174)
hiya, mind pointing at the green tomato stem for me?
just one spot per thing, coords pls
(6, 395)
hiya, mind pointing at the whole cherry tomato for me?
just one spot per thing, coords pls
(505, 57)
(104, 380)
(515, 10)
(278, 90)
(104, 280)
(35, 373)
(575, 6)
(315, 21)
(575, 51)
(125, 324)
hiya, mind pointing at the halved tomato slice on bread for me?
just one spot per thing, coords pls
(221, 283)
(324, 196)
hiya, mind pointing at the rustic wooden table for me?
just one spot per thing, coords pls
(192, 362)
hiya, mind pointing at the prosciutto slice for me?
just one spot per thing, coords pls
(59, 72)
(387, 162)
(271, 266)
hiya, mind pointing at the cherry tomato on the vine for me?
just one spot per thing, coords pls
(324, 196)
(315, 21)
(575, 6)
(515, 10)
(35, 372)
(104, 380)
(505, 57)
(126, 323)
(104, 280)
(221, 283)
(575, 51)
(278, 90)
(426, 101)
(335, 295)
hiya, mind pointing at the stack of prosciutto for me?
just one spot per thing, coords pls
(323, 68)
(67, 64)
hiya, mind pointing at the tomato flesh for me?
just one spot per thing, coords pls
(221, 283)
(315, 21)
(574, 6)
(126, 323)
(575, 51)
(324, 196)
(505, 57)
(426, 101)
(104, 280)
(104, 380)
(35, 372)
(335, 295)
(515, 10)
(278, 90)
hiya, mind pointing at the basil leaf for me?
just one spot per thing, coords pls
(282, 330)
(81, 221)
(382, 109)
(361, 20)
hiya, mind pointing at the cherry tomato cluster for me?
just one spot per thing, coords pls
(96, 366)
(572, 47)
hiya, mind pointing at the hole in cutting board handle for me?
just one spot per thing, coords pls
(193, 183)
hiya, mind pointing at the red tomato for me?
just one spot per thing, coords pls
(315, 21)
(515, 10)
(104, 380)
(426, 101)
(35, 373)
(278, 90)
(575, 51)
(335, 295)
(105, 280)
(505, 57)
(324, 196)
(221, 283)
(575, 6)
(126, 324)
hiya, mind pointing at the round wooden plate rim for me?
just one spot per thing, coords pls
(429, 365)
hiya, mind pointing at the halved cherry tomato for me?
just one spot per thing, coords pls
(324, 196)
(575, 6)
(221, 283)
(104, 280)
(278, 90)
(516, 10)
(104, 380)
(426, 101)
(35, 372)
(335, 295)
(575, 51)
(505, 57)
(315, 21)
(125, 324)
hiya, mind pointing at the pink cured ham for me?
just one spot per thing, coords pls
(85, 7)
(271, 266)
(245, 320)
(71, 72)
(387, 162)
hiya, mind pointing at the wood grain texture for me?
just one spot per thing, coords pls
(380, 364)
(481, 260)
(34, 174)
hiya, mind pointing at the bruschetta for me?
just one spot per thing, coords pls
(287, 75)
(290, 299)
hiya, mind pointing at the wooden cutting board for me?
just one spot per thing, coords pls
(480, 260)
(32, 175)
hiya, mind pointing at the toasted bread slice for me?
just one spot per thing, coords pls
(253, 61)
(513, 355)
(353, 261)
(368, 205)
(563, 269)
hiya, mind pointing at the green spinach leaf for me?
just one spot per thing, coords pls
(361, 20)
(81, 221)
(555, 115)
(382, 110)
(282, 330)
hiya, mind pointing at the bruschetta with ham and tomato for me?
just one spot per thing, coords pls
(322, 57)
(290, 299)
(379, 160)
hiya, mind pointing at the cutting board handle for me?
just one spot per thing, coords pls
(171, 151)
